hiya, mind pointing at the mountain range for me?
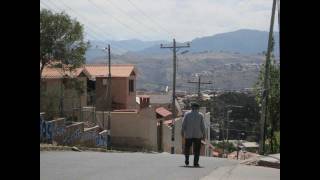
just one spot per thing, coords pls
(231, 60)
(243, 41)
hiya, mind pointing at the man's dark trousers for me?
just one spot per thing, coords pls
(196, 149)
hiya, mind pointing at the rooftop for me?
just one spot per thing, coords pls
(91, 71)
(58, 73)
(163, 112)
(102, 70)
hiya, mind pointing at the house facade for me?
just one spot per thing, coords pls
(123, 85)
(58, 92)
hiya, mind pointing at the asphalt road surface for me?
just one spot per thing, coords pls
(128, 166)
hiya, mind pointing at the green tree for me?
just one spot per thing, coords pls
(61, 40)
(273, 106)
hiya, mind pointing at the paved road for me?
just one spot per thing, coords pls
(131, 166)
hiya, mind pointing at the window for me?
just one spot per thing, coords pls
(131, 85)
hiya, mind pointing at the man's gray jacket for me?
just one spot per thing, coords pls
(193, 125)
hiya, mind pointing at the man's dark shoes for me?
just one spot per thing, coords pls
(186, 162)
(196, 165)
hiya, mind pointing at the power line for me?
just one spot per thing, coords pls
(149, 18)
(48, 7)
(103, 32)
(94, 35)
(132, 17)
(95, 30)
(115, 18)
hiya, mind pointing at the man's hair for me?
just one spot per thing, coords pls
(195, 106)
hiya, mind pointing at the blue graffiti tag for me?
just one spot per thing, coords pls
(49, 130)
(59, 131)
(88, 136)
(46, 130)
(72, 137)
(101, 140)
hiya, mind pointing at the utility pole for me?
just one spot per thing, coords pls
(174, 47)
(228, 115)
(266, 86)
(199, 85)
(109, 99)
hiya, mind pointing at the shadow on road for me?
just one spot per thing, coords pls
(191, 166)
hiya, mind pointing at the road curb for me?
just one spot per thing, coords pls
(50, 147)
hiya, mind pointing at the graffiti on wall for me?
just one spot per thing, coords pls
(59, 131)
(51, 131)
(91, 135)
(46, 130)
(101, 140)
(72, 137)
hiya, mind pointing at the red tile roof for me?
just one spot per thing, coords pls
(91, 70)
(102, 70)
(163, 112)
(58, 73)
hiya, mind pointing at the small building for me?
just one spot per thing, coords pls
(123, 85)
(59, 90)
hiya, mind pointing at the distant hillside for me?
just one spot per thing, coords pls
(242, 41)
(226, 70)
(96, 51)
(231, 60)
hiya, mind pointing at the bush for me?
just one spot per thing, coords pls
(228, 146)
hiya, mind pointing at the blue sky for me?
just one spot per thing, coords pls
(164, 19)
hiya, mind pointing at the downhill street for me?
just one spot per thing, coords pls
(139, 166)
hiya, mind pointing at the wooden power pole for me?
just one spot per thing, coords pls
(199, 85)
(266, 86)
(174, 47)
(109, 99)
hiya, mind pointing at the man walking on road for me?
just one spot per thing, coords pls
(193, 130)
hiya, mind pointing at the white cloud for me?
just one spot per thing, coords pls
(185, 19)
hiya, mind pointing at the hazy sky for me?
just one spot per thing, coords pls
(164, 19)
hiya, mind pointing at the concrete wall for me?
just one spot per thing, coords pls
(134, 129)
(166, 140)
(119, 93)
(56, 131)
